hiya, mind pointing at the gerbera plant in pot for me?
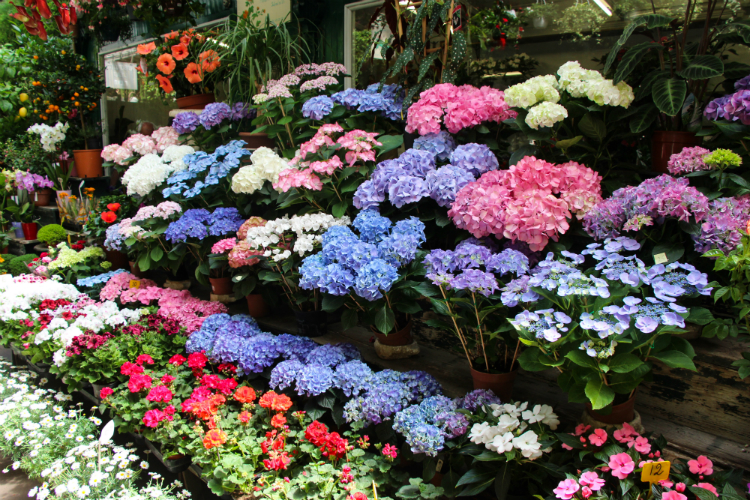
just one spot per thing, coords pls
(178, 62)
(374, 275)
(603, 329)
(468, 295)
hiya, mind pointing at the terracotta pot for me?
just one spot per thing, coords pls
(255, 141)
(118, 259)
(401, 337)
(197, 101)
(221, 286)
(311, 323)
(147, 128)
(43, 197)
(29, 230)
(666, 143)
(88, 163)
(624, 412)
(4, 250)
(256, 305)
(135, 271)
(18, 229)
(500, 383)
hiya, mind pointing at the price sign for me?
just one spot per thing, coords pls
(661, 258)
(655, 471)
(135, 283)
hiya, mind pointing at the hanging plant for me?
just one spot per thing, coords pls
(541, 13)
(582, 21)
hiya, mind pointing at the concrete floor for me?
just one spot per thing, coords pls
(14, 485)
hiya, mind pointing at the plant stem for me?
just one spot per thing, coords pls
(289, 295)
(479, 328)
(455, 325)
(288, 129)
(515, 355)
(395, 323)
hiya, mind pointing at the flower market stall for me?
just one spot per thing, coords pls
(285, 281)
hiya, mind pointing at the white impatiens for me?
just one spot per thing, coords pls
(305, 231)
(152, 170)
(541, 94)
(266, 166)
(512, 427)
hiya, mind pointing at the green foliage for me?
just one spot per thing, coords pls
(5, 264)
(19, 265)
(52, 234)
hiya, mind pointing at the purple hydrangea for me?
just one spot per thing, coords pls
(213, 114)
(368, 195)
(257, 353)
(688, 160)
(185, 122)
(284, 374)
(508, 261)
(478, 398)
(113, 239)
(326, 355)
(240, 111)
(475, 281)
(742, 83)
(734, 107)
(314, 379)
(445, 182)
(474, 158)
(352, 377)
(380, 403)
(417, 163)
(518, 290)
(407, 189)
(722, 227)
(293, 347)
(421, 384)
(224, 220)
(317, 108)
(387, 101)
(441, 145)
(192, 224)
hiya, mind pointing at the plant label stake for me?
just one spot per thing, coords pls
(654, 472)
(135, 283)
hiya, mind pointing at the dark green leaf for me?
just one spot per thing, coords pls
(669, 94)
(702, 68)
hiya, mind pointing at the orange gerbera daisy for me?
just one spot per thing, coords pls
(180, 51)
(146, 48)
(193, 73)
(166, 64)
(209, 60)
(165, 84)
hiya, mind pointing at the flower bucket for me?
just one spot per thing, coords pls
(221, 286)
(255, 141)
(89, 163)
(118, 259)
(666, 143)
(42, 197)
(624, 412)
(500, 383)
(311, 323)
(256, 305)
(30, 230)
(401, 337)
(17, 229)
(197, 101)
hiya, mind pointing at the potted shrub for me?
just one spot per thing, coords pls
(52, 234)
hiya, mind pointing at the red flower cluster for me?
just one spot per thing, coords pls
(153, 417)
(167, 379)
(275, 402)
(331, 444)
(144, 358)
(274, 446)
(52, 304)
(225, 386)
(177, 360)
(245, 394)
(213, 438)
(160, 394)
(139, 382)
(166, 325)
(105, 392)
(130, 369)
(89, 340)
(197, 361)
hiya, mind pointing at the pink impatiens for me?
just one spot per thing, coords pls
(520, 203)
(702, 465)
(621, 465)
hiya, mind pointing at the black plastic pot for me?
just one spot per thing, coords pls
(312, 323)
(175, 466)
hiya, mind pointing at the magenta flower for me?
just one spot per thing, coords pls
(598, 437)
(566, 489)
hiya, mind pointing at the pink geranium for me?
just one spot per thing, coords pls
(702, 465)
(159, 394)
(566, 489)
(621, 465)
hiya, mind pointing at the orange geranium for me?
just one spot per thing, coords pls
(145, 49)
(276, 402)
(213, 438)
(748, 227)
(278, 420)
(180, 51)
(245, 394)
(193, 73)
(166, 64)
(109, 217)
(209, 60)
(165, 84)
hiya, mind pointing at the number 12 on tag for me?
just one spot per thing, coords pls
(655, 471)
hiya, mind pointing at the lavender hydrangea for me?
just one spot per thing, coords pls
(474, 158)
(257, 353)
(314, 379)
(317, 107)
(185, 122)
(733, 107)
(688, 160)
(327, 355)
(213, 114)
(475, 281)
(352, 377)
(386, 101)
(546, 324)
(477, 399)
(292, 347)
(240, 111)
(441, 145)
(113, 240)
(722, 227)
(445, 182)
(285, 374)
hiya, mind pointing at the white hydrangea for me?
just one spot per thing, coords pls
(266, 166)
(534, 90)
(307, 230)
(545, 114)
(145, 175)
(605, 93)
(176, 152)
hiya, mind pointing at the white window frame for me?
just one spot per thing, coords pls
(349, 34)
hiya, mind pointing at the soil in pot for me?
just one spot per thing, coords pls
(623, 410)
(311, 323)
(257, 305)
(500, 383)
(401, 337)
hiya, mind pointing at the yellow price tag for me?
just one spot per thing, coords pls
(661, 258)
(654, 472)
(135, 283)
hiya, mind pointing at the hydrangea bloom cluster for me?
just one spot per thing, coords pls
(541, 94)
(322, 368)
(113, 240)
(520, 203)
(141, 145)
(185, 122)
(204, 170)
(199, 223)
(429, 424)
(265, 165)
(653, 201)
(388, 102)
(151, 170)
(688, 160)
(732, 107)
(471, 266)
(366, 264)
(100, 279)
(508, 427)
(305, 78)
(317, 108)
(441, 145)
(304, 172)
(413, 176)
(277, 239)
(164, 210)
(722, 226)
(457, 108)
(214, 114)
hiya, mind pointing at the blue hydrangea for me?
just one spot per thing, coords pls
(224, 349)
(335, 280)
(317, 108)
(474, 158)
(373, 278)
(387, 101)
(380, 403)
(213, 114)
(508, 261)
(445, 182)
(352, 377)
(293, 347)
(421, 384)
(478, 398)
(441, 145)
(99, 279)
(350, 351)
(190, 225)
(313, 272)
(257, 353)
(518, 290)
(284, 374)
(314, 379)
(358, 254)
(419, 424)
(372, 226)
(326, 355)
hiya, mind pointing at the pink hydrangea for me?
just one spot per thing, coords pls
(242, 255)
(118, 283)
(165, 137)
(459, 107)
(223, 246)
(621, 465)
(360, 145)
(292, 178)
(688, 160)
(141, 144)
(327, 167)
(520, 203)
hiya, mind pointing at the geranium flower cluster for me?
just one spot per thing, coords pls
(265, 165)
(387, 101)
(457, 108)
(199, 224)
(461, 269)
(541, 94)
(141, 145)
(305, 172)
(429, 424)
(205, 170)
(50, 137)
(366, 265)
(520, 203)
(413, 176)
(30, 182)
(732, 107)
(277, 239)
(306, 77)
(151, 170)
(514, 427)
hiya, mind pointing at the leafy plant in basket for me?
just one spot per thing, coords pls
(330, 167)
(279, 103)
(375, 275)
(467, 295)
(603, 328)
(143, 236)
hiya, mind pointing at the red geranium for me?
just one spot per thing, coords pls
(279, 462)
(109, 217)
(176, 360)
(129, 368)
(159, 394)
(244, 417)
(139, 382)
(316, 433)
(197, 360)
(167, 379)
(105, 392)
(278, 420)
(144, 358)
